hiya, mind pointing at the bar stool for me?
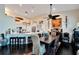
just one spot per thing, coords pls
(13, 44)
(13, 41)
(22, 41)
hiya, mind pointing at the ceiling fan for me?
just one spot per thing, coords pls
(18, 19)
(50, 15)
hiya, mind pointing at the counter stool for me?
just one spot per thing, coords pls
(13, 41)
(22, 42)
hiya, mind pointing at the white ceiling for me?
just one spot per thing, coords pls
(39, 9)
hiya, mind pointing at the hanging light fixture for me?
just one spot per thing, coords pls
(50, 15)
(50, 9)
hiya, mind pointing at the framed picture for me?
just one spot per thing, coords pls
(56, 23)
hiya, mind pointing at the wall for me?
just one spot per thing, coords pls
(73, 19)
(5, 21)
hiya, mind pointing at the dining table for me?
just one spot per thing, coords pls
(50, 44)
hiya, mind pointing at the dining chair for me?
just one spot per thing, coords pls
(53, 33)
(37, 49)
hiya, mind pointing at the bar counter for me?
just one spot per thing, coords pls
(26, 35)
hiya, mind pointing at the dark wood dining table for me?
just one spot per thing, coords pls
(50, 44)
